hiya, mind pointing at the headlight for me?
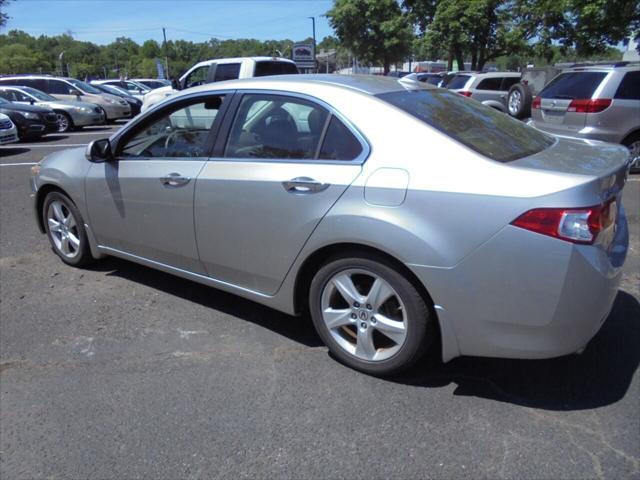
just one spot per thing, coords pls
(31, 115)
(112, 101)
(122, 102)
(82, 109)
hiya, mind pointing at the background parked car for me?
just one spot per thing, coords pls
(133, 88)
(153, 83)
(71, 89)
(71, 115)
(8, 131)
(598, 102)
(218, 70)
(32, 121)
(430, 78)
(134, 103)
(489, 88)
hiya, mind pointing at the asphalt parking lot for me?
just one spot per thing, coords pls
(120, 371)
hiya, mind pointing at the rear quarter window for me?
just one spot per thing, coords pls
(481, 128)
(267, 68)
(572, 85)
(459, 81)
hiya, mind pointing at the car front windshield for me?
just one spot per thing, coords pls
(481, 128)
(38, 94)
(85, 87)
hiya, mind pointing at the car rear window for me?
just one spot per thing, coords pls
(266, 68)
(481, 128)
(572, 85)
(227, 71)
(459, 81)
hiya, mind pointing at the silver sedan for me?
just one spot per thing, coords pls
(71, 115)
(399, 215)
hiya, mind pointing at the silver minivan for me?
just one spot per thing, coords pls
(595, 102)
(70, 89)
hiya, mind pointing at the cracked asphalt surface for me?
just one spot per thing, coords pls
(120, 371)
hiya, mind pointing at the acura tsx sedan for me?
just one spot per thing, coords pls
(400, 216)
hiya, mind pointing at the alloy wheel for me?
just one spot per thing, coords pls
(63, 229)
(634, 151)
(515, 99)
(364, 314)
(63, 122)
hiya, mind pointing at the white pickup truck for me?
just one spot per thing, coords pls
(222, 69)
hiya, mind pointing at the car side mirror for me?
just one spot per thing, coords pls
(176, 85)
(99, 151)
(73, 91)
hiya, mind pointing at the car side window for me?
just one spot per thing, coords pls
(6, 94)
(339, 143)
(57, 87)
(197, 77)
(276, 126)
(18, 96)
(629, 88)
(227, 71)
(508, 82)
(489, 84)
(180, 131)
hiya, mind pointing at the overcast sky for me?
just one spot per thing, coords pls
(102, 21)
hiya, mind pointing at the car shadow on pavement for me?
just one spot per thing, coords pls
(281, 323)
(600, 376)
(7, 152)
(50, 137)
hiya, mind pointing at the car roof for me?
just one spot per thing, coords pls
(370, 84)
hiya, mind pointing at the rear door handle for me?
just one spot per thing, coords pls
(174, 180)
(304, 185)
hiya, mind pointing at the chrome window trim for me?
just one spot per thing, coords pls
(364, 143)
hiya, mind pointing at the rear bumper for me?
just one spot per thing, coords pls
(589, 133)
(525, 295)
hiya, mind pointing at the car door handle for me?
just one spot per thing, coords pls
(304, 185)
(174, 180)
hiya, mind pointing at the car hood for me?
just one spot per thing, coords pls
(16, 107)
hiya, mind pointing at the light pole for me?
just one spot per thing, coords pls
(166, 55)
(313, 23)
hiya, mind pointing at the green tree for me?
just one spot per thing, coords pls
(376, 31)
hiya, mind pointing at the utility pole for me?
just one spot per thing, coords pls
(313, 23)
(166, 55)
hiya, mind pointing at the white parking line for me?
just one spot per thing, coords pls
(40, 145)
(633, 180)
(16, 164)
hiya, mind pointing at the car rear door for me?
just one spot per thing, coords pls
(559, 109)
(279, 165)
(142, 202)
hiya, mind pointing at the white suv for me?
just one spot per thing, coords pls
(222, 69)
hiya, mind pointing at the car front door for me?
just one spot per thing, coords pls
(141, 203)
(278, 167)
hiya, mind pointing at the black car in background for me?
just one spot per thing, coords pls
(32, 121)
(133, 102)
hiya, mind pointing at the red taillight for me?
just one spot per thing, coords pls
(465, 94)
(589, 105)
(577, 225)
(536, 103)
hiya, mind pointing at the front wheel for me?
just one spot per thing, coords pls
(370, 316)
(65, 123)
(65, 229)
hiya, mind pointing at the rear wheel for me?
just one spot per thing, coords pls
(370, 315)
(633, 144)
(65, 229)
(519, 101)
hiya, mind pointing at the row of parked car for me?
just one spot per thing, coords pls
(33, 105)
(592, 101)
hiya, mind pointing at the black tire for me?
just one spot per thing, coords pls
(420, 324)
(65, 123)
(523, 109)
(634, 138)
(83, 255)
